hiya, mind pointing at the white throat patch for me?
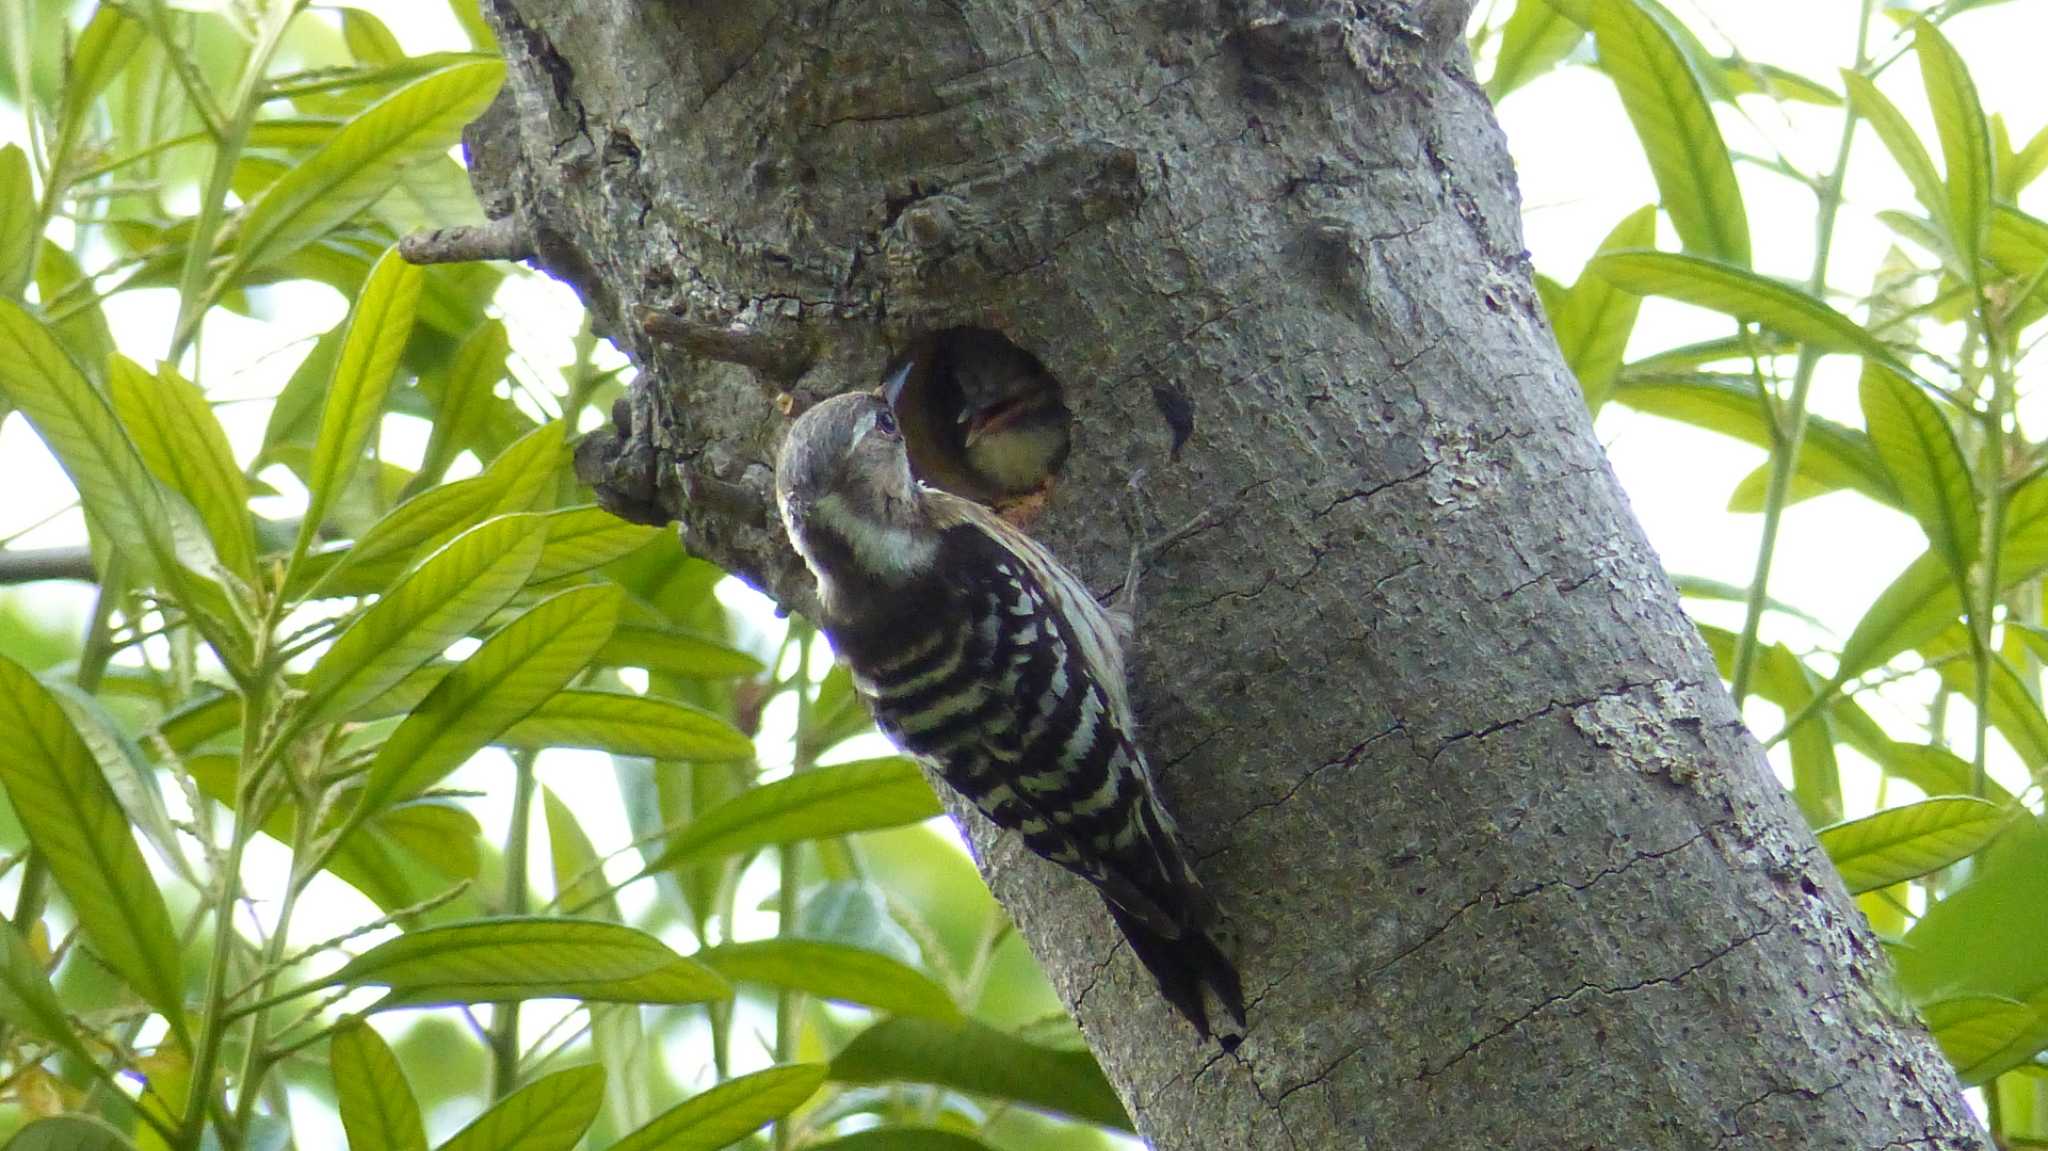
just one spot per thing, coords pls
(890, 553)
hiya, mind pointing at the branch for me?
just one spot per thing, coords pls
(501, 239)
(17, 567)
(776, 353)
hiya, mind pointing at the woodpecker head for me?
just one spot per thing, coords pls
(848, 500)
(983, 417)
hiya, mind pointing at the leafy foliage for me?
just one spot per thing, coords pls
(322, 650)
(1947, 862)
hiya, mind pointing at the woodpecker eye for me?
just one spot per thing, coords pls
(885, 422)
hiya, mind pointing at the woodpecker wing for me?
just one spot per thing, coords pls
(1062, 765)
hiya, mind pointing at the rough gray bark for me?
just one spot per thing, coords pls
(1508, 869)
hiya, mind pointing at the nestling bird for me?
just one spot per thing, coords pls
(981, 654)
(982, 416)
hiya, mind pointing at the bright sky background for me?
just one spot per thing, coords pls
(1581, 171)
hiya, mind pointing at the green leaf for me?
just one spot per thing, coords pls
(672, 651)
(1900, 140)
(1983, 939)
(1926, 463)
(368, 40)
(28, 1001)
(60, 282)
(833, 971)
(525, 470)
(616, 1034)
(2017, 247)
(378, 328)
(1687, 357)
(625, 724)
(186, 449)
(377, 1106)
(295, 417)
(586, 537)
(856, 913)
(893, 1138)
(362, 160)
(1745, 77)
(974, 1057)
(1965, 140)
(512, 483)
(69, 1133)
(82, 431)
(2014, 710)
(1832, 456)
(1917, 606)
(1594, 319)
(443, 599)
(463, 410)
(106, 46)
(1675, 124)
(728, 1112)
(385, 549)
(549, 1114)
(1973, 1029)
(201, 719)
(829, 801)
(127, 772)
(397, 859)
(2026, 167)
(1752, 492)
(1742, 294)
(2024, 552)
(1902, 843)
(504, 960)
(73, 819)
(1532, 42)
(18, 215)
(124, 504)
(515, 671)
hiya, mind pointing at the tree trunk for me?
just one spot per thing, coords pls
(1507, 867)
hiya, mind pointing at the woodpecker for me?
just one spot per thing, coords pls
(982, 655)
(982, 415)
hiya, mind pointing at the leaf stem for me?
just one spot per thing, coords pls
(1993, 468)
(1785, 457)
(505, 1016)
(194, 296)
(789, 1003)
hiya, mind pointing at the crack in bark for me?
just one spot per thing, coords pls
(1347, 760)
(1367, 493)
(1192, 71)
(1101, 968)
(1500, 900)
(1810, 1094)
(1527, 893)
(1272, 1105)
(1583, 988)
(1615, 692)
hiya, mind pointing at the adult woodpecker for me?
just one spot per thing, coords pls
(981, 654)
(982, 416)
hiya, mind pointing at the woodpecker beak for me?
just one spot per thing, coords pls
(996, 418)
(892, 388)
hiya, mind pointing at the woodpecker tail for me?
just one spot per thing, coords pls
(1194, 974)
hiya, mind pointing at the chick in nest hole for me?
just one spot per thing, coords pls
(982, 418)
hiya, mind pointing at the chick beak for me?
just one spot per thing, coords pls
(995, 418)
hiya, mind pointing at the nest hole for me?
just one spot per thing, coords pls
(981, 417)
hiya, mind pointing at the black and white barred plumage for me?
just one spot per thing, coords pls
(980, 653)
